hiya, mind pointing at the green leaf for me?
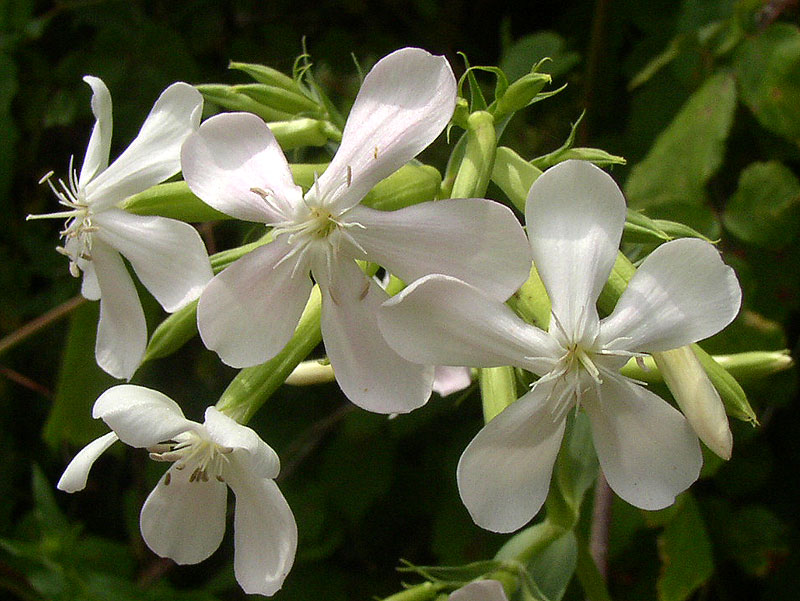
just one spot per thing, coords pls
(768, 71)
(757, 539)
(765, 209)
(529, 50)
(80, 382)
(685, 549)
(671, 179)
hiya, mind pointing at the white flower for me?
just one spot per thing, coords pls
(680, 294)
(168, 256)
(183, 518)
(250, 310)
(480, 590)
(448, 379)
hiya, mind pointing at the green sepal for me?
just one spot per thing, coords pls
(173, 200)
(266, 75)
(252, 386)
(278, 98)
(476, 166)
(498, 390)
(519, 94)
(226, 97)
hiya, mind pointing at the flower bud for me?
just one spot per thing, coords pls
(475, 169)
(520, 94)
(278, 98)
(267, 75)
(228, 98)
(173, 200)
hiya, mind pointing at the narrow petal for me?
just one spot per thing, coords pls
(681, 293)
(96, 159)
(482, 590)
(168, 255)
(368, 371)
(140, 416)
(575, 214)
(440, 320)
(472, 239)
(504, 473)
(255, 456)
(229, 156)
(121, 330)
(646, 449)
(265, 533)
(74, 477)
(90, 287)
(155, 153)
(249, 311)
(184, 520)
(405, 102)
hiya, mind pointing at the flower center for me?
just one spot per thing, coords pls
(196, 451)
(78, 228)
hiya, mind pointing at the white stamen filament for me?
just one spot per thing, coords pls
(202, 455)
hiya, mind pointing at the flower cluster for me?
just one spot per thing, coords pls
(462, 259)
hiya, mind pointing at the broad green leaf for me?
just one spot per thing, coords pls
(768, 71)
(671, 179)
(518, 58)
(757, 539)
(765, 209)
(80, 382)
(685, 550)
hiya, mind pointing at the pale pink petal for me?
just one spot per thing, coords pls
(121, 330)
(368, 371)
(253, 454)
(472, 239)
(646, 449)
(74, 477)
(250, 310)
(681, 293)
(184, 520)
(440, 320)
(96, 159)
(141, 417)
(405, 102)
(232, 154)
(575, 214)
(154, 155)
(504, 473)
(168, 255)
(265, 533)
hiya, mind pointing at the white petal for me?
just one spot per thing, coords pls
(140, 416)
(368, 371)
(646, 449)
(168, 255)
(440, 320)
(96, 159)
(447, 380)
(121, 330)
(255, 456)
(229, 155)
(265, 533)
(74, 477)
(575, 214)
(155, 153)
(249, 311)
(681, 293)
(90, 287)
(405, 102)
(472, 239)
(184, 520)
(482, 590)
(504, 473)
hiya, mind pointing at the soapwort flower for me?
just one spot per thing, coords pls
(183, 518)
(680, 294)
(167, 255)
(249, 311)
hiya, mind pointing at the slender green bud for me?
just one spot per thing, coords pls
(302, 132)
(278, 98)
(755, 364)
(593, 155)
(520, 94)
(697, 398)
(267, 75)
(498, 390)
(409, 185)
(427, 591)
(228, 98)
(254, 385)
(475, 169)
(514, 176)
(173, 200)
